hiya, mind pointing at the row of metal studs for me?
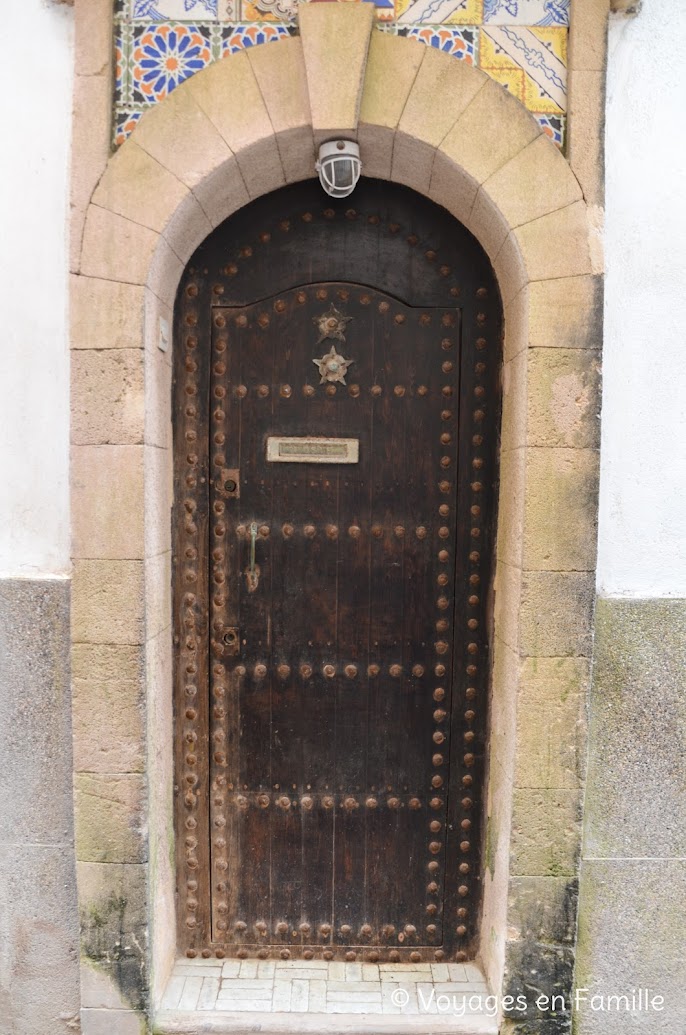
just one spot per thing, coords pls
(247, 252)
(260, 670)
(474, 601)
(333, 531)
(219, 862)
(188, 634)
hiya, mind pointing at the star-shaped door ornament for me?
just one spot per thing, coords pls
(332, 324)
(333, 367)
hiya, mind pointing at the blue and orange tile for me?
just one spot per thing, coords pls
(164, 56)
(459, 42)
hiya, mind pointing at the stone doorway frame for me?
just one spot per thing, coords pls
(447, 131)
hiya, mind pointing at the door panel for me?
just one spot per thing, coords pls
(330, 618)
(331, 573)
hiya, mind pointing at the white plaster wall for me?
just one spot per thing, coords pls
(642, 533)
(36, 84)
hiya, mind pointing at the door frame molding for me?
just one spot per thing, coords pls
(452, 134)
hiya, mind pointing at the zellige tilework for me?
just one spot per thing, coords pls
(521, 44)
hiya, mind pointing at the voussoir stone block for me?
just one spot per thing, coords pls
(491, 130)
(556, 245)
(280, 75)
(179, 135)
(535, 182)
(560, 519)
(441, 91)
(229, 95)
(335, 41)
(391, 59)
(115, 248)
(110, 817)
(566, 313)
(136, 186)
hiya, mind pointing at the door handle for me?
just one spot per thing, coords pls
(252, 574)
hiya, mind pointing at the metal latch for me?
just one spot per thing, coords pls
(252, 574)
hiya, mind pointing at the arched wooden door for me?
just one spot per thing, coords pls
(336, 414)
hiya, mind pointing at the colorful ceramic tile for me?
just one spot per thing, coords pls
(529, 62)
(385, 9)
(439, 12)
(461, 43)
(553, 126)
(229, 10)
(164, 56)
(545, 13)
(119, 69)
(239, 37)
(174, 10)
(124, 125)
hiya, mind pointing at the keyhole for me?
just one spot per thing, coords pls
(230, 638)
(230, 486)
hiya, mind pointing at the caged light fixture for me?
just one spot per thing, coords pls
(339, 167)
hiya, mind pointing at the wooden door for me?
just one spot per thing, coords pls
(338, 535)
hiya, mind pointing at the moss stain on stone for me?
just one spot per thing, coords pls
(109, 942)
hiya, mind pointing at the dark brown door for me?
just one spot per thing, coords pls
(344, 615)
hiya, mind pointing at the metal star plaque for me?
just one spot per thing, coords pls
(332, 324)
(333, 367)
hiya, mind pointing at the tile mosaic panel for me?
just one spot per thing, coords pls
(521, 44)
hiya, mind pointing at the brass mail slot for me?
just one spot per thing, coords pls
(313, 450)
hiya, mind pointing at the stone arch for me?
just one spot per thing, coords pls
(246, 126)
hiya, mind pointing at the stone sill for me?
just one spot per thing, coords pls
(177, 1022)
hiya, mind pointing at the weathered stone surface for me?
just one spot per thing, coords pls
(229, 95)
(114, 931)
(632, 918)
(112, 1022)
(560, 515)
(557, 245)
(636, 805)
(563, 398)
(511, 505)
(540, 951)
(107, 602)
(335, 42)
(35, 703)
(533, 183)
(566, 313)
(108, 708)
(557, 614)
(115, 248)
(105, 315)
(39, 962)
(137, 187)
(281, 78)
(107, 396)
(552, 723)
(110, 818)
(182, 139)
(107, 490)
(546, 832)
(39, 982)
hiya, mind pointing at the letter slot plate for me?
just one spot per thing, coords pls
(314, 450)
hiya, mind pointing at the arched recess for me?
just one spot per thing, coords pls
(247, 126)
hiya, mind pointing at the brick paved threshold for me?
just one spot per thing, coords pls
(230, 997)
